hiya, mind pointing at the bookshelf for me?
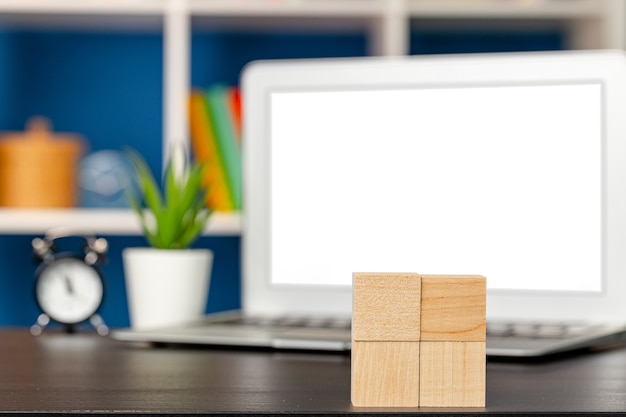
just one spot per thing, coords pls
(386, 24)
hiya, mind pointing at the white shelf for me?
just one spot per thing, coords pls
(106, 222)
(302, 15)
(83, 7)
(301, 8)
(87, 15)
(320, 14)
(488, 9)
(537, 9)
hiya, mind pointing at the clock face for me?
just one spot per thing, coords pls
(69, 291)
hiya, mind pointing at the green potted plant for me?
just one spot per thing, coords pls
(168, 282)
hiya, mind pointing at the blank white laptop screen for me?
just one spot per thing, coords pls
(510, 166)
(503, 181)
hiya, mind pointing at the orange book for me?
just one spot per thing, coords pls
(204, 145)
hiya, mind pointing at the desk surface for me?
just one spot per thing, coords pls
(87, 374)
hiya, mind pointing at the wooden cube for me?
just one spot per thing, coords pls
(453, 308)
(452, 374)
(385, 374)
(386, 306)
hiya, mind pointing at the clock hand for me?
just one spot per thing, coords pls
(68, 285)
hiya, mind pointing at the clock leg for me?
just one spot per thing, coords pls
(38, 328)
(69, 328)
(101, 328)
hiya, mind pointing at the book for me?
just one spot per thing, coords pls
(205, 146)
(226, 138)
(234, 101)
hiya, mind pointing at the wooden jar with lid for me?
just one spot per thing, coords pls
(38, 168)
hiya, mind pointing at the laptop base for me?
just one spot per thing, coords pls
(504, 339)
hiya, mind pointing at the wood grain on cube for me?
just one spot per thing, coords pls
(452, 374)
(386, 307)
(453, 308)
(385, 374)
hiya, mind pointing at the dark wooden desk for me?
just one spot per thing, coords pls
(87, 374)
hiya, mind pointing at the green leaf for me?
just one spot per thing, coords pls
(193, 232)
(147, 184)
(192, 189)
(172, 193)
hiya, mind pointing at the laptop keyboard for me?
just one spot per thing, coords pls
(511, 330)
(536, 330)
(306, 322)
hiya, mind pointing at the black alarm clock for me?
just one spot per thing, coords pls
(69, 286)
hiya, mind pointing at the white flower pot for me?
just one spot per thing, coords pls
(166, 287)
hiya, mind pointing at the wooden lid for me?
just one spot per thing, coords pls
(38, 136)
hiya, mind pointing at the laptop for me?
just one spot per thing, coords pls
(507, 165)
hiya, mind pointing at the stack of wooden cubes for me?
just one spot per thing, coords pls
(418, 340)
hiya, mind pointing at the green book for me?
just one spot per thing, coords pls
(217, 100)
